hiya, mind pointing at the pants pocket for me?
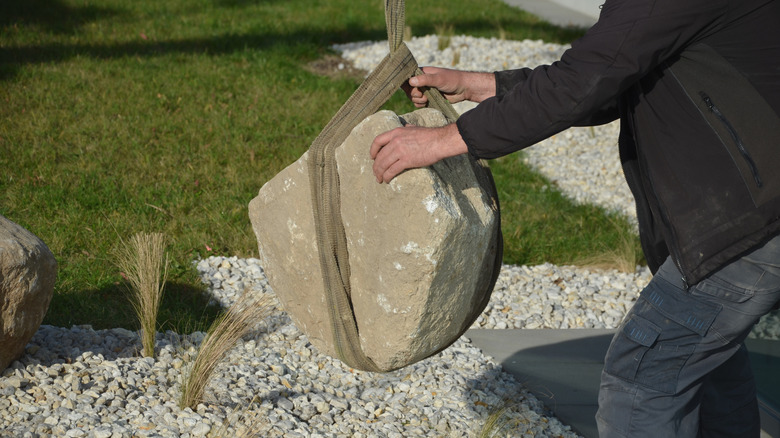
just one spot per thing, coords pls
(658, 337)
(757, 273)
(637, 355)
(715, 288)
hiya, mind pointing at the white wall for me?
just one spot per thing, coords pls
(587, 7)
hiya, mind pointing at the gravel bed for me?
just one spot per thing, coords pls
(81, 382)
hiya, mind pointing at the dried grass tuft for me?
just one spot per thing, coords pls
(444, 33)
(144, 265)
(624, 256)
(227, 329)
(505, 420)
(622, 259)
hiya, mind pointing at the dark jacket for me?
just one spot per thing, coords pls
(696, 85)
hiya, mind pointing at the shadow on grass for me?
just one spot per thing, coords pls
(243, 3)
(15, 57)
(185, 308)
(52, 15)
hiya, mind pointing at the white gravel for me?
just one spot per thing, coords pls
(81, 382)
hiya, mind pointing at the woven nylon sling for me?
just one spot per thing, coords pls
(395, 69)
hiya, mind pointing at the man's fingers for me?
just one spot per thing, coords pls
(381, 165)
(400, 149)
(382, 153)
(387, 156)
(379, 142)
(393, 171)
(430, 78)
(418, 82)
(415, 94)
(423, 80)
(387, 168)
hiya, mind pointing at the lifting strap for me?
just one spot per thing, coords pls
(395, 69)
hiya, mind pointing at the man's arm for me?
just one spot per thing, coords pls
(630, 39)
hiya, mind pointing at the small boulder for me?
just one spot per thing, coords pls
(28, 271)
(422, 250)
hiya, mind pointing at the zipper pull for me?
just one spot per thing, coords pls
(711, 106)
(707, 101)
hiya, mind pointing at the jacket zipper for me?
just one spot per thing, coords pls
(737, 140)
(672, 246)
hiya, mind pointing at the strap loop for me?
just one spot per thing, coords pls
(394, 70)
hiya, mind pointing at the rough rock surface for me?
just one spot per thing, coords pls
(27, 274)
(422, 249)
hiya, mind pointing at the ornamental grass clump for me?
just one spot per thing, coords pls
(624, 255)
(503, 422)
(144, 264)
(444, 34)
(227, 329)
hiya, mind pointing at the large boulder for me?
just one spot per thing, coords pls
(27, 274)
(423, 250)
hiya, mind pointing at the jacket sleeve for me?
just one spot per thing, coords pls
(631, 38)
(507, 79)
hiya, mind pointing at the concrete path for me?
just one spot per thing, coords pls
(577, 13)
(562, 368)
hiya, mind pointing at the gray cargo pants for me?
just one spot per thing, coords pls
(677, 367)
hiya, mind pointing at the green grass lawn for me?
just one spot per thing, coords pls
(120, 116)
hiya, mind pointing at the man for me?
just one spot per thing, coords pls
(696, 86)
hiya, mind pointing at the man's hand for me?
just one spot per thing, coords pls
(455, 85)
(413, 146)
